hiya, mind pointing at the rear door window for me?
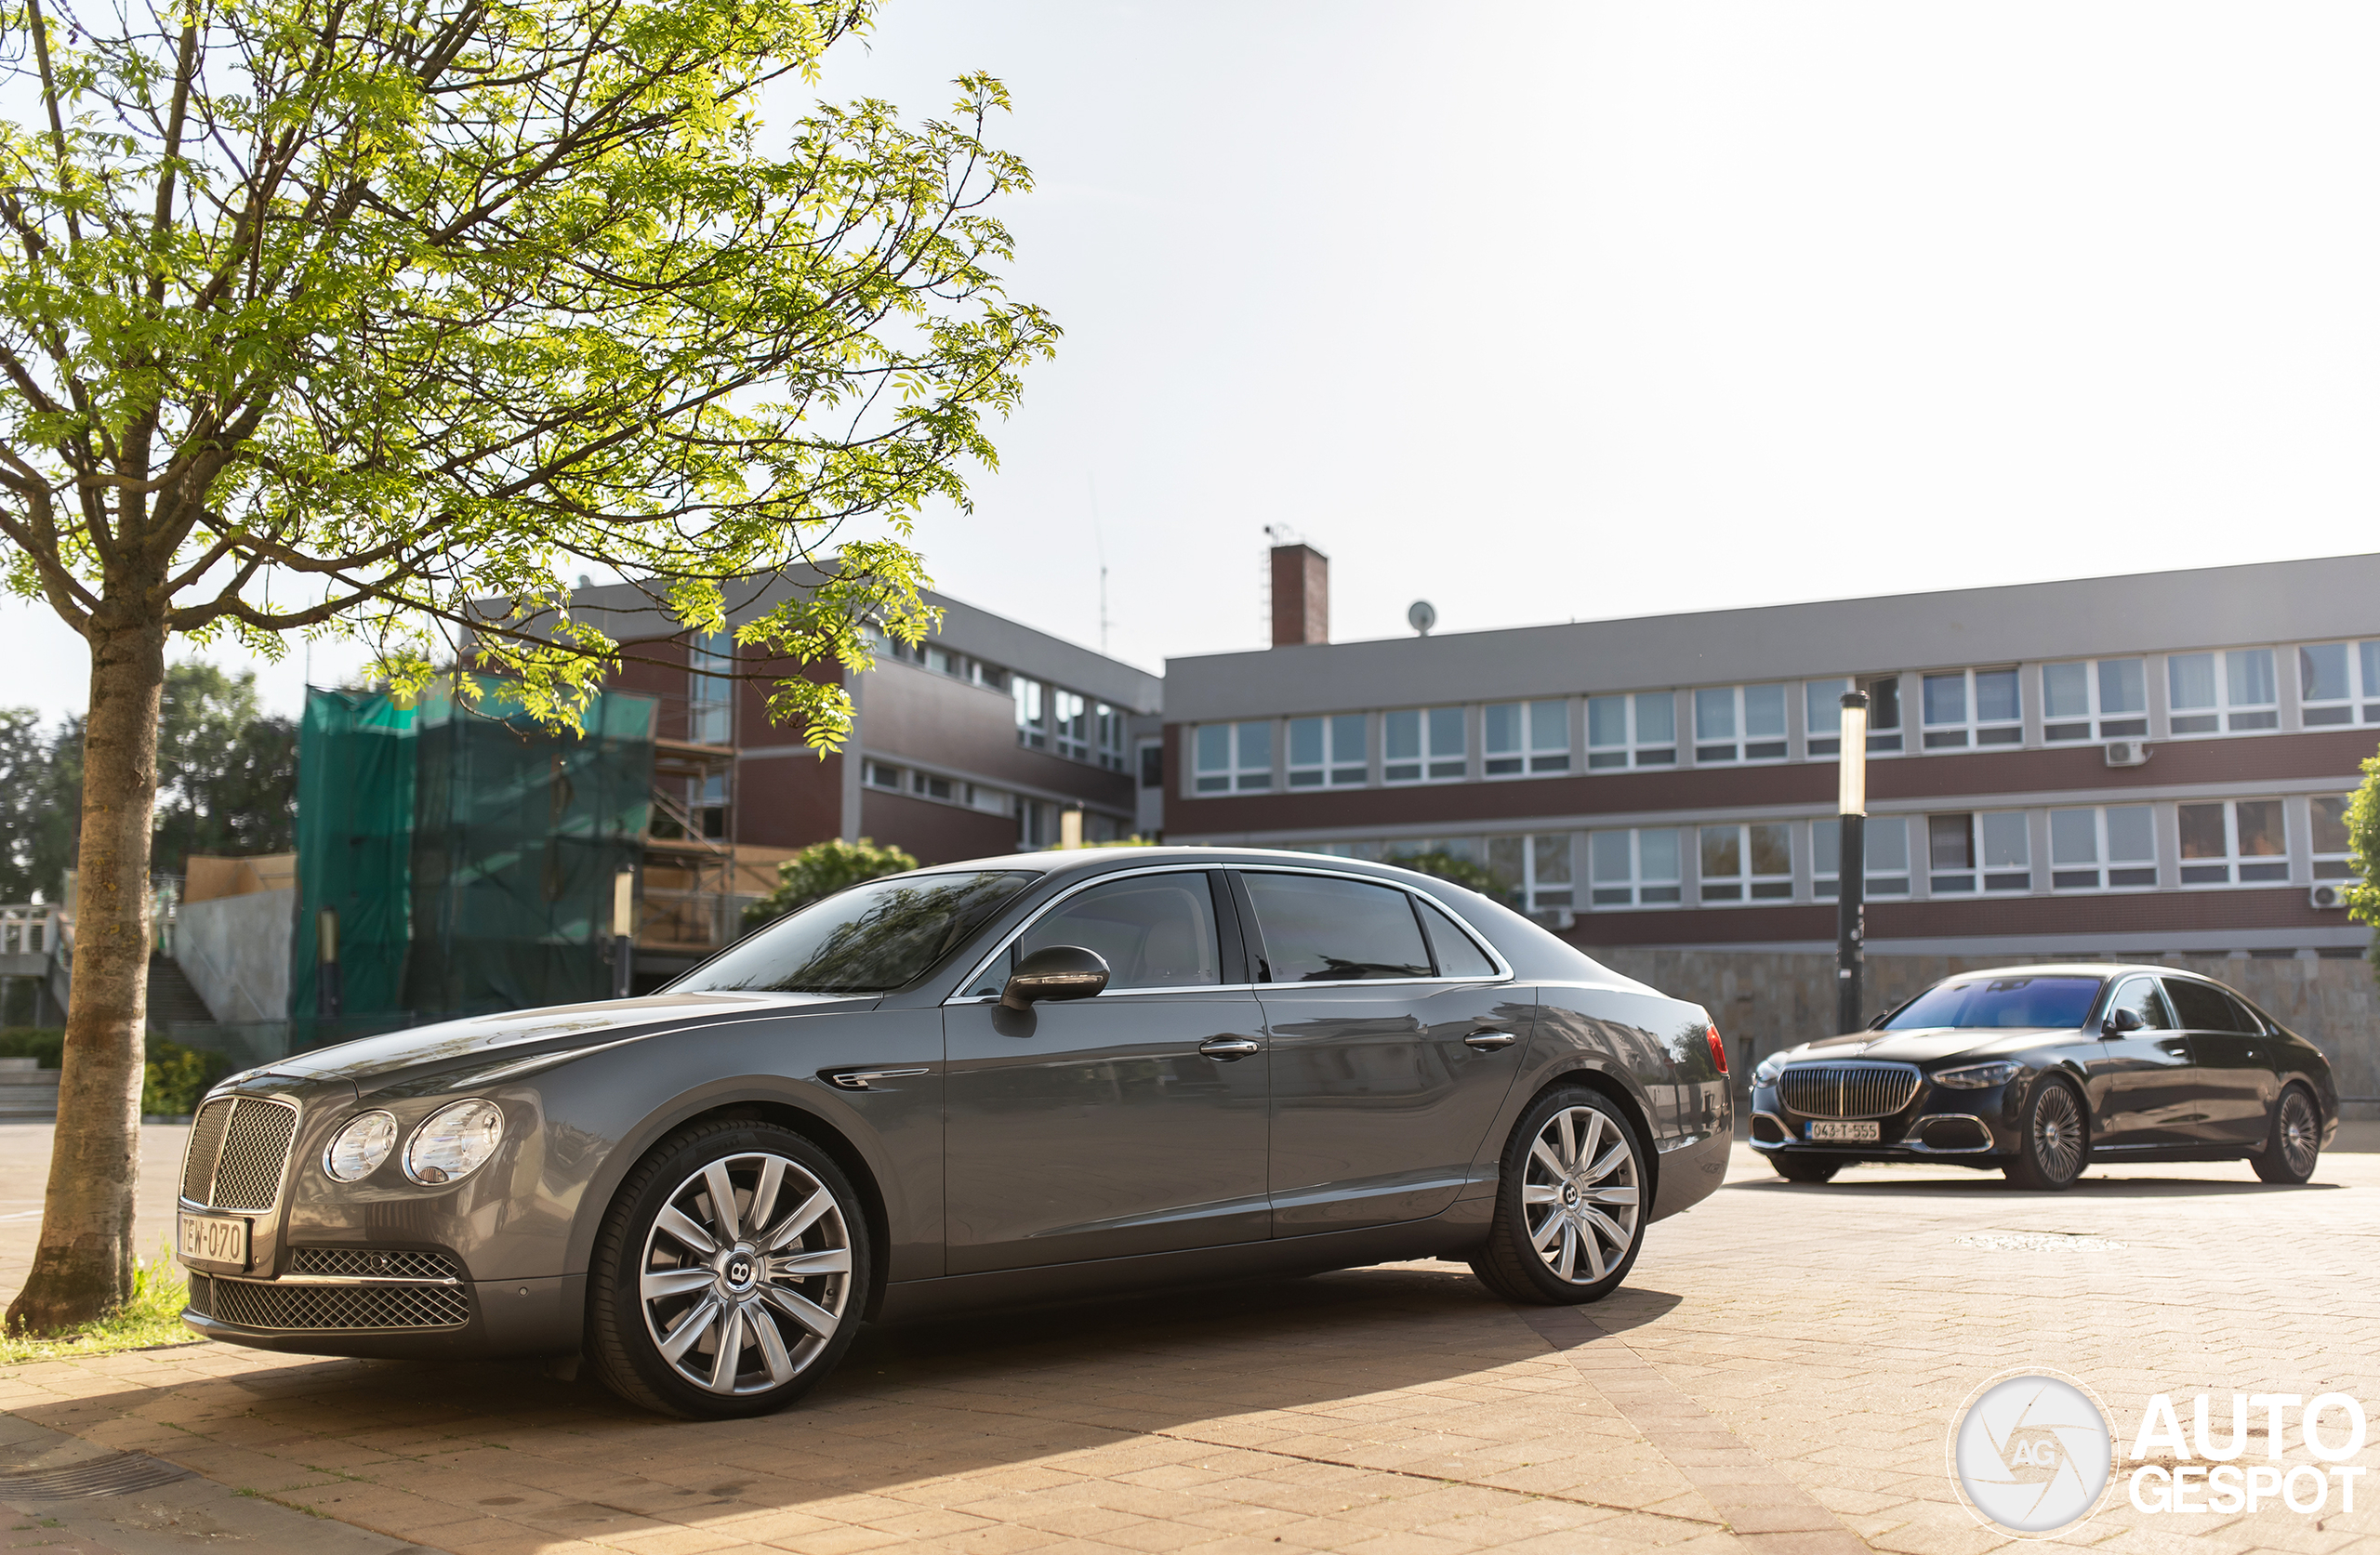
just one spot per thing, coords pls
(2203, 1007)
(1316, 928)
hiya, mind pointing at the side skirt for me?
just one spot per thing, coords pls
(1457, 1229)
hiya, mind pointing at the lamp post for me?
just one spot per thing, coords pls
(328, 999)
(1851, 873)
(623, 933)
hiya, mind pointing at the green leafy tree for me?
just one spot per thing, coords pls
(227, 774)
(2362, 892)
(24, 772)
(821, 870)
(348, 318)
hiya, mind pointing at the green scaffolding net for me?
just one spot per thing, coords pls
(469, 853)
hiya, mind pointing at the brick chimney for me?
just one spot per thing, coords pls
(1300, 595)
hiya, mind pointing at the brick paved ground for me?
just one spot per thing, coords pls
(1779, 1376)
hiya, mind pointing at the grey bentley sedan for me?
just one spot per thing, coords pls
(1015, 1079)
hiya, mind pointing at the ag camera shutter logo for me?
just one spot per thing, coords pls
(2031, 1453)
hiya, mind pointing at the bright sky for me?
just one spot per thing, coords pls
(1544, 311)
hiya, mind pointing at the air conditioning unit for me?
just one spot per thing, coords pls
(2326, 896)
(2127, 753)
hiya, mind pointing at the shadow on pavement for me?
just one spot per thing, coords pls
(997, 1390)
(1991, 1185)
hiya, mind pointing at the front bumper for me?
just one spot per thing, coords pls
(390, 1320)
(1938, 1123)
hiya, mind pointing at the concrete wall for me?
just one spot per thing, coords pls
(1775, 1000)
(235, 952)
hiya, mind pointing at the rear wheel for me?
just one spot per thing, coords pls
(1806, 1168)
(728, 1275)
(1571, 1204)
(2056, 1144)
(2296, 1139)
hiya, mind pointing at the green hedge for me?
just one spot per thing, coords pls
(171, 1083)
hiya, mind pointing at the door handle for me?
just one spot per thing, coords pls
(1488, 1042)
(1227, 1048)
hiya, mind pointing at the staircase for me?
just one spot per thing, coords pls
(28, 1093)
(171, 997)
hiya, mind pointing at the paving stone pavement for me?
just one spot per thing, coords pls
(1779, 1377)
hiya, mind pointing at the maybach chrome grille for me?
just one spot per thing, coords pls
(1848, 1090)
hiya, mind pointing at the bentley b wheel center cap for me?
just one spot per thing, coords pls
(739, 1270)
(1571, 1194)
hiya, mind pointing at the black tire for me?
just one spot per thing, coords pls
(1554, 1213)
(2293, 1142)
(1808, 1169)
(755, 1303)
(2055, 1142)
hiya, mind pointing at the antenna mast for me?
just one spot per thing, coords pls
(1099, 545)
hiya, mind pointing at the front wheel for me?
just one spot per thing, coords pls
(2055, 1145)
(728, 1275)
(2295, 1140)
(1571, 1202)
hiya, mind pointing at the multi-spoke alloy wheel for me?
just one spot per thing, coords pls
(2052, 1151)
(2296, 1141)
(732, 1273)
(1570, 1211)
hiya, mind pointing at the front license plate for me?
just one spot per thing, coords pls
(1844, 1133)
(219, 1239)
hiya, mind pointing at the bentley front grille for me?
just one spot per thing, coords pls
(239, 1151)
(1848, 1089)
(319, 1308)
(372, 1263)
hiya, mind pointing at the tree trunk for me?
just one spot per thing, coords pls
(82, 1268)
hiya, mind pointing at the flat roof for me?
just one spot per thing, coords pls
(2138, 612)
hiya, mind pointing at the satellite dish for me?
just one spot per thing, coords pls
(1421, 616)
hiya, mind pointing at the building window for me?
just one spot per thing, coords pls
(1970, 707)
(1107, 724)
(1525, 738)
(2112, 847)
(1885, 839)
(2234, 691)
(1747, 864)
(1534, 870)
(1032, 724)
(1822, 705)
(1423, 745)
(709, 691)
(2111, 693)
(1234, 757)
(1991, 849)
(2332, 677)
(2330, 844)
(1151, 763)
(1739, 724)
(1070, 723)
(1328, 752)
(1639, 730)
(1633, 869)
(880, 775)
(929, 786)
(2239, 842)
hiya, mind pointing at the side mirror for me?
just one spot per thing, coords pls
(1054, 972)
(2121, 1023)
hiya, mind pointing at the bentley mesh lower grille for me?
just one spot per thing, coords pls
(372, 1263)
(1848, 1089)
(239, 1148)
(303, 1309)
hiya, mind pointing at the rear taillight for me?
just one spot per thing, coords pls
(1718, 1049)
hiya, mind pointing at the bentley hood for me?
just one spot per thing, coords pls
(530, 1033)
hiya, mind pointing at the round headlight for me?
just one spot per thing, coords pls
(357, 1150)
(454, 1142)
